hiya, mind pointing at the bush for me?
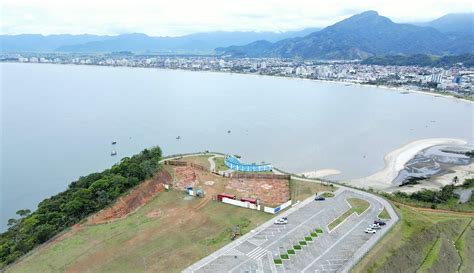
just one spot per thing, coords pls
(87, 195)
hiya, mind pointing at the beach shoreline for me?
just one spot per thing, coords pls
(395, 161)
(320, 173)
(339, 82)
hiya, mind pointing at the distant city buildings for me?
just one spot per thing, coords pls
(456, 79)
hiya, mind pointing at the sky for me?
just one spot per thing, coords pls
(180, 17)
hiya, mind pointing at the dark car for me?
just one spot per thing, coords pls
(319, 198)
(380, 223)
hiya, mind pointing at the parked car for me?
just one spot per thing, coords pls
(281, 221)
(374, 226)
(370, 231)
(380, 223)
(319, 198)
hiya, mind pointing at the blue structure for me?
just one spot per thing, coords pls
(235, 164)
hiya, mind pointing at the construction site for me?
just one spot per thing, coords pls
(167, 222)
(197, 180)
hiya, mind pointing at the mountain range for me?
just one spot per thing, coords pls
(367, 34)
(204, 42)
(357, 37)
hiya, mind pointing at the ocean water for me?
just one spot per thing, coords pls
(58, 121)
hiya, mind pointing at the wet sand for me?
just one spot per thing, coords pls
(395, 162)
(320, 173)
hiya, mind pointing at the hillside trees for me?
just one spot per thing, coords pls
(87, 195)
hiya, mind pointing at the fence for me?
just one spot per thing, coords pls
(240, 203)
(261, 176)
(235, 164)
(277, 209)
(176, 163)
(185, 163)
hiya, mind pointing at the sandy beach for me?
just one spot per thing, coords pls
(396, 160)
(320, 173)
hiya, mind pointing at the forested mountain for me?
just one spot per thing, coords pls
(453, 23)
(358, 37)
(204, 42)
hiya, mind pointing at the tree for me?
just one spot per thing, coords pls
(455, 180)
(23, 212)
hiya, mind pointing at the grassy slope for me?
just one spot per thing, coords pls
(220, 165)
(200, 160)
(357, 205)
(168, 243)
(300, 190)
(465, 244)
(415, 244)
(384, 214)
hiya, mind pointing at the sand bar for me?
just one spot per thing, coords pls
(320, 173)
(396, 160)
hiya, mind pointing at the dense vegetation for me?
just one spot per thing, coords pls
(87, 195)
(421, 60)
(358, 37)
(446, 198)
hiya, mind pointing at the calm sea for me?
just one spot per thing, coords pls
(58, 121)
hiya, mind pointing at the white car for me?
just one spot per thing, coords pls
(281, 221)
(374, 226)
(370, 231)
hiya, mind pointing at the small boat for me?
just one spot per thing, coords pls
(114, 142)
(113, 153)
(178, 137)
(228, 131)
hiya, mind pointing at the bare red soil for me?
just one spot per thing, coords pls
(271, 192)
(133, 200)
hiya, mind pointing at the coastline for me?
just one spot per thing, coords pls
(320, 173)
(395, 162)
(434, 183)
(389, 88)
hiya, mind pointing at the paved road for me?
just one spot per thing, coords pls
(335, 251)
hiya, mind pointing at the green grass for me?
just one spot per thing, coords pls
(327, 195)
(314, 234)
(358, 206)
(297, 247)
(303, 243)
(301, 190)
(200, 160)
(308, 238)
(465, 245)
(220, 165)
(169, 243)
(277, 261)
(384, 214)
(291, 251)
(284, 256)
(431, 257)
(422, 241)
(318, 230)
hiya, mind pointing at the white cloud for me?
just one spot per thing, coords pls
(178, 17)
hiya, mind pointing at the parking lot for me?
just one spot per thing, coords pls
(333, 251)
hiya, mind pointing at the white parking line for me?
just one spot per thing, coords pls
(290, 231)
(327, 250)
